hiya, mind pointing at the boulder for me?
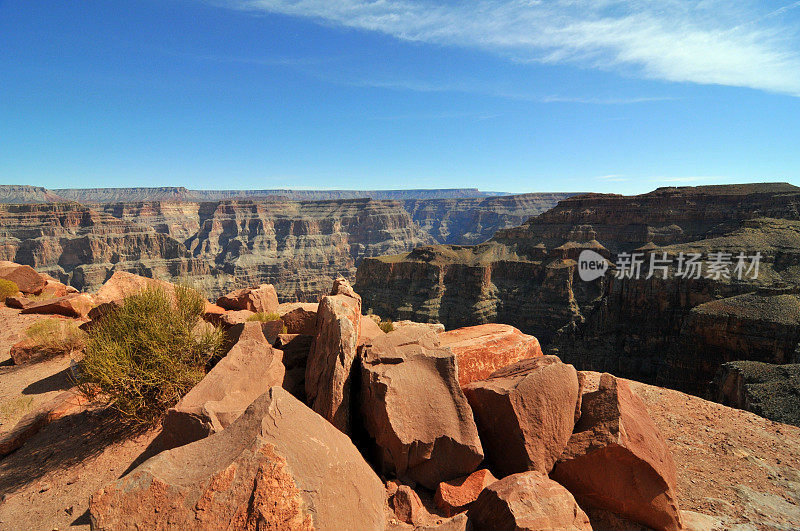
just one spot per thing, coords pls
(264, 299)
(25, 277)
(64, 403)
(341, 286)
(54, 288)
(73, 305)
(279, 466)
(272, 329)
(457, 495)
(250, 367)
(407, 506)
(331, 360)
(123, 284)
(301, 320)
(617, 460)
(526, 413)
(414, 409)
(18, 301)
(527, 501)
(483, 349)
(229, 319)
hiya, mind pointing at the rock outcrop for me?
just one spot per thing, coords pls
(279, 466)
(414, 409)
(247, 370)
(617, 460)
(330, 365)
(766, 389)
(483, 349)
(527, 501)
(526, 413)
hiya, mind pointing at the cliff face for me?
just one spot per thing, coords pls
(23, 194)
(217, 245)
(674, 332)
(473, 221)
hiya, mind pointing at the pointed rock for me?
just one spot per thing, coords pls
(330, 363)
(249, 368)
(414, 409)
(279, 466)
(526, 413)
(617, 460)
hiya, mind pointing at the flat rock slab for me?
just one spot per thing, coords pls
(414, 409)
(279, 466)
(483, 349)
(75, 305)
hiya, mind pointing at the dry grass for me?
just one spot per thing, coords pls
(7, 289)
(386, 325)
(54, 337)
(148, 353)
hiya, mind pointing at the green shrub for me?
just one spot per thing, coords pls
(386, 325)
(8, 289)
(264, 317)
(148, 353)
(54, 337)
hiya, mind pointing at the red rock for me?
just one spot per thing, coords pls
(279, 466)
(63, 404)
(341, 286)
(72, 305)
(227, 390)
(232, 318)
(527, 501)
(330, 362)
(483, 349)
(407, 506)
(25, 277)
(415, 411)
(434, 327)
(54, 288)
(19, 302)
(212, 311)
(526, 413)
(262, 299)
(369, 330)
(123, 284)
(457, 495)
(302, 320)
(617, 460)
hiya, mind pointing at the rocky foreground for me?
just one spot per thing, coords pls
(333, 423)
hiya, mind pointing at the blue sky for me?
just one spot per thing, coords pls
(518, 96)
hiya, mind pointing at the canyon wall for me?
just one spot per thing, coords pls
(674, 332)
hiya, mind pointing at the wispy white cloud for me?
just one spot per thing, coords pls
(745, 43)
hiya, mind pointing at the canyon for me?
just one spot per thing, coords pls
(674, 331)
(249, 237)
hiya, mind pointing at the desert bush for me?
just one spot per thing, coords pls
(54, 337)
(149, 352)
(386, 325)
(8, 289)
